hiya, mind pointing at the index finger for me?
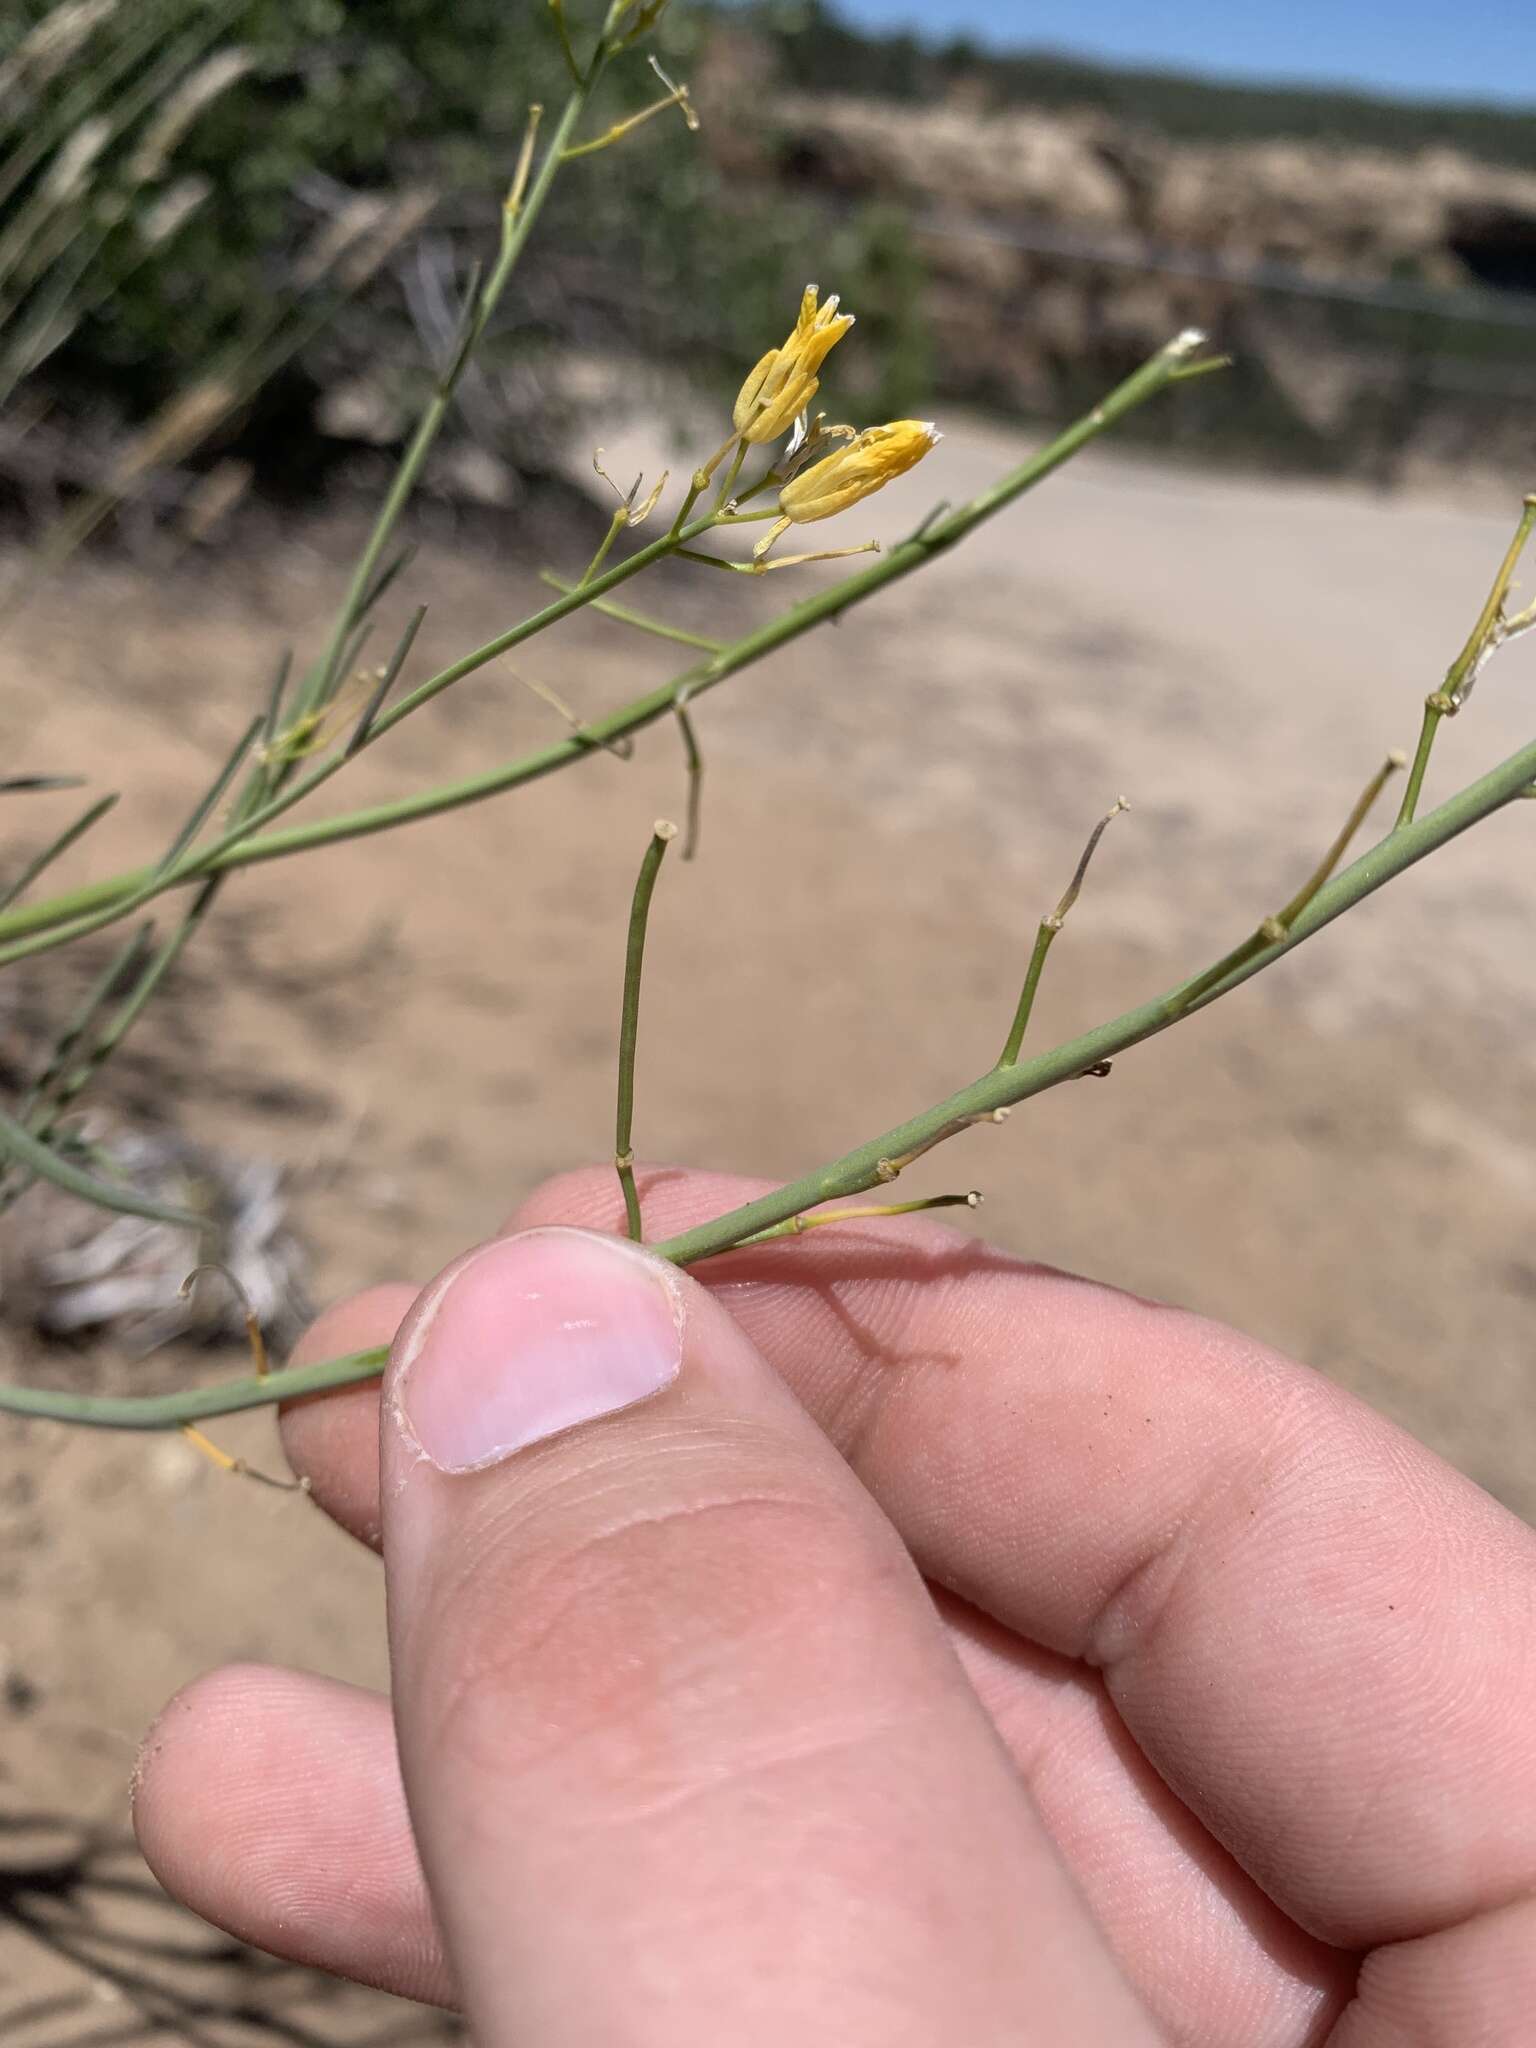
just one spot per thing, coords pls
(1322, 1636)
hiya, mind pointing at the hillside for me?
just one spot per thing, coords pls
(1382, 300)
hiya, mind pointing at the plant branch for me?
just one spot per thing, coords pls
(22, 1149)
(524, 203)
(1276, 927)
(820, 1219)
(71, 916)
(858, 1171)
(641, 621)
(51, 852)
(82, 911)
(1050, 925)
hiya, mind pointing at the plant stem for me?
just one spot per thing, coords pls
(20, 1147)
(1280, 923)
(1044, 936)
(641, 621)
(74, 915)
(100, 903)
(56, 847)
(820, 1219)
(859, 1170)
(693, 759)
(629, 1021)
(1050, 925)
(1446, 701)
(522, 213)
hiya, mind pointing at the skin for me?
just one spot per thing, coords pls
(1211, 1725)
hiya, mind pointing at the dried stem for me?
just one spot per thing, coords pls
(819, 1219)
(1452, 693)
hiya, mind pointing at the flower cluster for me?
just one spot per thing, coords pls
(775, 400)
(785, 381)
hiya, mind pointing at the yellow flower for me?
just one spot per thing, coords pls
(867, 464)
(783, 384)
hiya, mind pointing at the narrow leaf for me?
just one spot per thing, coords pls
(18, 1144)
(209, 801)
(51, 852)
(375, 704)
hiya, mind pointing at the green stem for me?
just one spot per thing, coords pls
(79, 912)
(64, 918)
(20, 1147)
(1276, 926)
(616, 526)
(1049, 927)
(629, 1022)
(518, 227)
(56, 847)
(61, 1083)
(859, 1170)
(125, 961)
(557, 10)
(641, 621)
(693, 760)
(73, 1082)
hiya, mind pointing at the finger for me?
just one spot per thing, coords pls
(1234, 1964)
(332, 1440)
(270, 1803)
(1323, 1637)
(662, 1672)
(1214, 1960)
(1473, 1983)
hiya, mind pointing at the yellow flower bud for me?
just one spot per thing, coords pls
(868, 463)
(784, 382)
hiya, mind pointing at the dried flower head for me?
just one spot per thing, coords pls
(865, 465)
(784, 382)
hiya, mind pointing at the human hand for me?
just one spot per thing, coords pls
(1213, 1726)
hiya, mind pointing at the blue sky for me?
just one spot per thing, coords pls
(1474, 49)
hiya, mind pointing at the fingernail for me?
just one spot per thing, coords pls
(528, 1336)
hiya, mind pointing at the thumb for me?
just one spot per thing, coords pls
(686, 1751)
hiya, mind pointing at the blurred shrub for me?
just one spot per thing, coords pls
(227, 197)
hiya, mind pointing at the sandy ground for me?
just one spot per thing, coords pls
(1340, 1158)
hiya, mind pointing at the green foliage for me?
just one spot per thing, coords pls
(337, 101)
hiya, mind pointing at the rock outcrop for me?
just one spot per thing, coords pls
(1384, 305)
